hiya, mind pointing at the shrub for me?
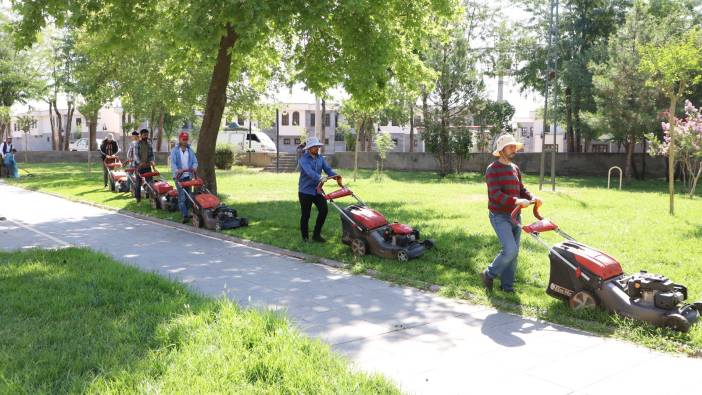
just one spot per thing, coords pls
(224, 157)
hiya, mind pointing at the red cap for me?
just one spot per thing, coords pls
(183, 136)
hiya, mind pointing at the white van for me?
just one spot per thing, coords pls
(256, 141)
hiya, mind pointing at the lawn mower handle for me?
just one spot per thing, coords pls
(188, 170)
(518, 209)
(325, 179)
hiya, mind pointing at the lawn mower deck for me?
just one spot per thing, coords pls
(207, 210)
(116, 175)
(368, 231)
(586, 278)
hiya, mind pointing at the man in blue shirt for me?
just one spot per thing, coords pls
(183, 162)
(311, 166)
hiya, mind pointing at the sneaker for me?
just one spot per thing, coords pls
(186, 220)
(487, 280)
(319, 239)
(507, 290)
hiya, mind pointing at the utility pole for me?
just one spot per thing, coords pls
(550, 85)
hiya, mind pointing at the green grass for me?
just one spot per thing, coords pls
(632, 225)
(75, 321)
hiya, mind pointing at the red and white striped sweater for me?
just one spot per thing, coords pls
(504, 183)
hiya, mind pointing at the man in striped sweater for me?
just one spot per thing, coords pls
(505, 192)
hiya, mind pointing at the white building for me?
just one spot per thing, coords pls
(529, 130)
(39, 136)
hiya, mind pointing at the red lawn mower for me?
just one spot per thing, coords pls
(366, 230)
(116, 174)
(160, 193)
(207, 210)
(587, 278)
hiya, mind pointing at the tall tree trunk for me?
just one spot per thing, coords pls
(630, 144)
(355, 151)
(369, 136)
(124, 131)
(671, 149)
(152, 129)
(216, 100)
(643, 160)
(695, 177)
(577, 126)
(69, 124)
(92, 130)
(411, 143)
(59, 127)
(569, 120)
(323, 132)
(160, 132)
(52, 123)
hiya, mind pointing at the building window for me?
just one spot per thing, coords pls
(396, 142)
(296, 119)
(525, 132)
(531, 131)
(326, 141)
(297, 141)
(599, 148)
(286, 119)
(240, 120)
(312, 119)
(79, 121)
(327, 119)
(338, 136)
(417, 121)
(336, 119)
(286, 141)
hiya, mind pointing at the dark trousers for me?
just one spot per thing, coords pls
(306, 206)
(137, 189)
(104, 172)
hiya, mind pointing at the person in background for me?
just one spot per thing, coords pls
(5, 148)
(108, 151)
(130, 155)
(183, 166)
(143, 160)
(10, 164)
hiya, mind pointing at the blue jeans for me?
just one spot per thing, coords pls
(505, 263)
(183, 202)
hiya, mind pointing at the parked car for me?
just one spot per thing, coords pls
(82, 144)
(256, 141)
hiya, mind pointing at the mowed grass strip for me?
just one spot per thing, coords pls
(632, 225)
(75, 321)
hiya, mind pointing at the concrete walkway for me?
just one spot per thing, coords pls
(425, 343)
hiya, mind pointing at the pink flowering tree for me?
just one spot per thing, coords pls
(687, 145)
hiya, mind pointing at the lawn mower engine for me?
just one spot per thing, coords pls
(118, 177)
(586, 277)
(118, 181)
(169, 200)
(366, 230)
(214, 215)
